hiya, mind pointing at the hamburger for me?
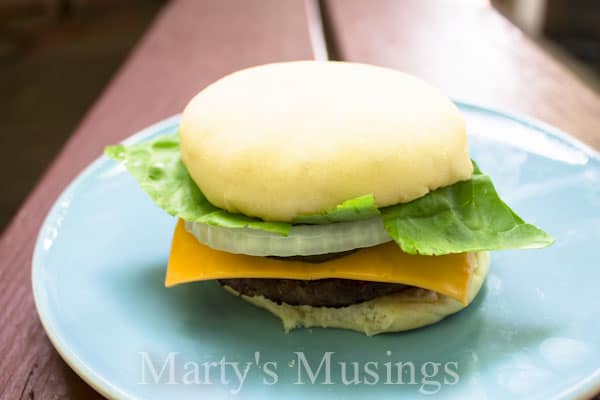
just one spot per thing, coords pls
(331, 194)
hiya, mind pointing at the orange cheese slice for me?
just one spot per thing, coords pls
(450, 274)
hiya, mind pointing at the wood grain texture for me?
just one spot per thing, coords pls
(470, 51)
(190, 44)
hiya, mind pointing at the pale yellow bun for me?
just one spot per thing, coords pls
(409, 309)
(280, 140)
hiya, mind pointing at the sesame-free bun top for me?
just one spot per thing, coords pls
(280, 140)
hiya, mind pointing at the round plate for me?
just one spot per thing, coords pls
(99, 267)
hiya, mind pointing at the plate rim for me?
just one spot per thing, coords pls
(586, 387)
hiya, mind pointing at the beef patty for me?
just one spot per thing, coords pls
(319, 293)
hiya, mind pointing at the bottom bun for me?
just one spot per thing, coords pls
(409, 309)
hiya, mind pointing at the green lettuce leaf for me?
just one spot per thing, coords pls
(362, 207)
(466, 216)
(161, 174)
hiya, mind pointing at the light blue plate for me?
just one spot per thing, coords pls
(533, 331)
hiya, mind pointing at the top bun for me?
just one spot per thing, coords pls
(280, 140)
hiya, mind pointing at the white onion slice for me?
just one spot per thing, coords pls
(303, 240)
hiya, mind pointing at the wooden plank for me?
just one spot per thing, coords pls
(191, 43)
(469, 51)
